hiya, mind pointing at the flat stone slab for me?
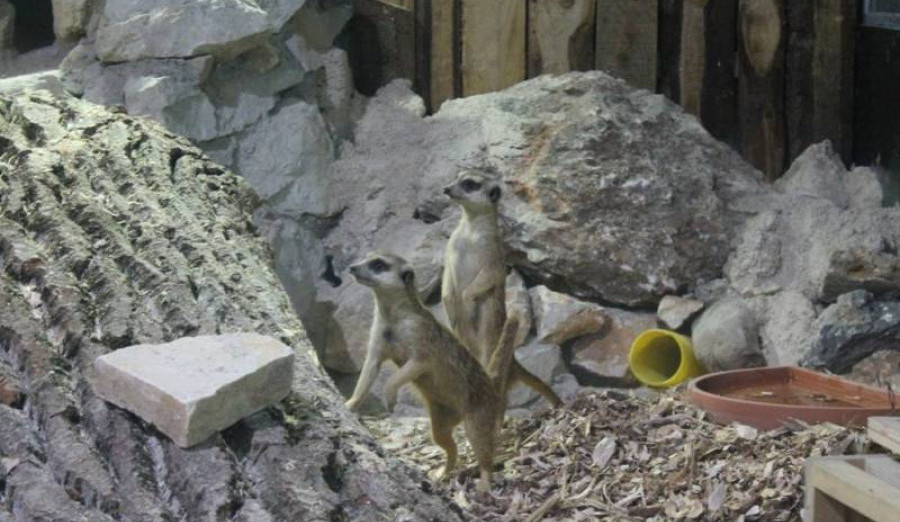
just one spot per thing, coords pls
(195, 386)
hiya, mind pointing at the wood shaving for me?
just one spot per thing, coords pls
(615, 456)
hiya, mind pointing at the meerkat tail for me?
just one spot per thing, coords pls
(498, 367)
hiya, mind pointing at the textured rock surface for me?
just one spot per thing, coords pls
(559, 317)
(47, 80)
(853, 328)
(117, 232)
(10, 387)
(193, 387)
(602, 358)
(726, 337)
(675, 312)
(880, 369)
(786, 320)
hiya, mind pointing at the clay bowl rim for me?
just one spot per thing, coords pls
(698, 394)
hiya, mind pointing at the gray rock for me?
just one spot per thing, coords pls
(819, 173)
(41, 81)
(7, 24)
(786, 322)
(880, 369)
(864, 188)
(11, 393)
(125, 259)
(298, 132)
(70, 18)
(180, 29)
(518, 304)
(725, 337)
(853, 328)
(874, 270)
(559, 317)
(807, 241)
(194, 387)
(601, 359)
(542, 360)
(566, 386)
(675, 312)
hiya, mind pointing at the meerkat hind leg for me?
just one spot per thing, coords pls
(482, 434)
(443, 420)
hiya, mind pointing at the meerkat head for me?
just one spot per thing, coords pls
(384, 272)
(474, 190)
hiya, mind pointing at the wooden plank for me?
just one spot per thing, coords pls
(876, 122)
(885, 431)
(692, 58)
(627, 40)
(443, 52)
(668, 81)
(832, 74)
(560, 36)
(493, 45)
(719, 96)
(820, 72)
(869, 485)
(761, 85)
(383, 44)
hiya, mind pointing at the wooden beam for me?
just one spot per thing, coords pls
(692, 58)
(627, 40)
(866, 484)
(719, 96)
(442, 51)
(885, 431)
(560, 36)
(384, 43)
(493, 45)
(761, 84)
(832, 74)
(668, 82)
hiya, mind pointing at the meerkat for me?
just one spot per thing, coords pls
(473, 289)
(452, 383)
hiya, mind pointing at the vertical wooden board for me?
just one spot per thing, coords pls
(560, 36)
(627, 40)
(668, 82)
(719, 93)
(442, 51)
(834, 23)
(493, 45)
(798, 76)
(761, 84)
(383, 45)
(692, 58)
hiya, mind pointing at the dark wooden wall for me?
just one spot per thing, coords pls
(769, 77)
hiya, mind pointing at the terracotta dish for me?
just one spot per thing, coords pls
(767, 397)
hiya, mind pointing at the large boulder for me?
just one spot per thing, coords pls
(726, 337)
(853, 328)
(116, 232)
(611, 193)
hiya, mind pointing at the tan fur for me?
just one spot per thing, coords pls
(473, 289)
(453, 384)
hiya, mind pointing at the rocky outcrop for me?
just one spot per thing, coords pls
(242, 79)
(116, 232)
(726, 337)
(611, 194)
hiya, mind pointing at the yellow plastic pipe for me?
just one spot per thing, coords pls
(662, 359)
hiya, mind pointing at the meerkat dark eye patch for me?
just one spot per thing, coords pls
(494, 194)
(470, 185)
(378, 266)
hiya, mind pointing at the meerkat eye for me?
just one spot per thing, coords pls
(470, 185)
(378, 266)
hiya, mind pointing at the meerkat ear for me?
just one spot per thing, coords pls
(408, 276)
(494, 194)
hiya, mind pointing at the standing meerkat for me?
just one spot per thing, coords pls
(452, 383)
(473, 289)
